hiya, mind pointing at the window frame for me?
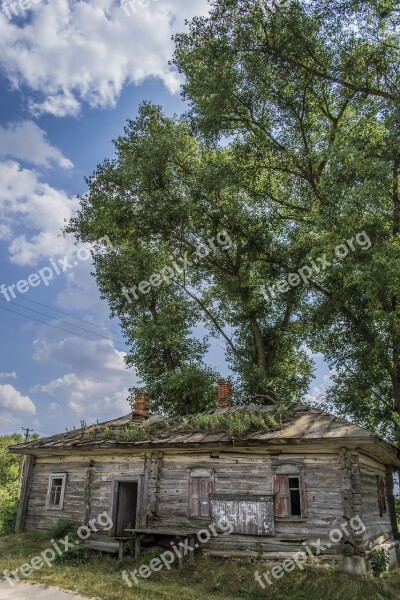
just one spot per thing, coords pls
(53, 476)
(285, 475)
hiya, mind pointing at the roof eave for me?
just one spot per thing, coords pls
(392, 453)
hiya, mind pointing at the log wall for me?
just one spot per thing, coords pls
(378, 529)
(328, 474)
(88, 488)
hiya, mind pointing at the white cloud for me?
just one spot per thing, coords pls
(26, 141)
(74, 52)
(40, 207)
(60, 106)
(317, 393)
(8, 421)
(12, 399)
(5, 232)
(96, 386)
(12, 375)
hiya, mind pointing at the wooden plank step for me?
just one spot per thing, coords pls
(112, 547)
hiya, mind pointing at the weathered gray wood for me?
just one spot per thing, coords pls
(109, 546)
(27, 478)
(347, 467)
(88, 492)
(337, 487)
(391, 502)
(142, 516)
(154, 483)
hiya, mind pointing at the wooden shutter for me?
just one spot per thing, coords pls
(281, 495)
(381, 495)
(194, 496)
(200, 489)
(204, 493)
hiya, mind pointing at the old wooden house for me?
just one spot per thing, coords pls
(282, 479)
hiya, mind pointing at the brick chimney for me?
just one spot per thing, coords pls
(141, 405)
(224, 394)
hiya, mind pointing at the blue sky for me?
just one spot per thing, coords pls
(71, 74)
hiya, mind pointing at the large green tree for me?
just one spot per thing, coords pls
(290, 146)
(310, 91)
(169, 199)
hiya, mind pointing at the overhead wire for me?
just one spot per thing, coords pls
(62, 329)
(60, 321)
(69, 315)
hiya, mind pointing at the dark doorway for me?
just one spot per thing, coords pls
(126, 507)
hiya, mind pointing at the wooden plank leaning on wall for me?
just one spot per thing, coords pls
(27, 477)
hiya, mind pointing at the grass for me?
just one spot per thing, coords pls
(237, 425)
(201, 578)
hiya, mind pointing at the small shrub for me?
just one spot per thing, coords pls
(379, 560)
(147, 554)
(397, 504)
(8, 516)
(75, 556)
(260, 552)
(9, 498)
(61, 528)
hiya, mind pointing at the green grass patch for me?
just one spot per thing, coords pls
(236, 424)
(200, 578)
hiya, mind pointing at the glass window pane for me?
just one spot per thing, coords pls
(295, 502)
(55, 491)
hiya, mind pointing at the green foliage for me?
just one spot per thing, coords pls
(219, 291)
(397, 506)
(290, 146)
(61, 528)
(9, 497)
(312, 106)
(379, 560)
(9, 483)
(10, 465)
(74, 556)
(235, 424)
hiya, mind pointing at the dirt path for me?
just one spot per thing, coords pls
(33, 592)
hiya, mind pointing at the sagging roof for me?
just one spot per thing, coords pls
(239, 425)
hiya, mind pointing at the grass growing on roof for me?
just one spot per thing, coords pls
(236, 424)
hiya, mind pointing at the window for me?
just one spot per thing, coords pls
(56, 491)
(200, 488)
(381, 495)
(290, 496)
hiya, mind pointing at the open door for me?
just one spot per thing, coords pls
(127, 506)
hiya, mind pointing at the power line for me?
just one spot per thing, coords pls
(69, 315)
(47, 432)
(60, 320)
(61, 329)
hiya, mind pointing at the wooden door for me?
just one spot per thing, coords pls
(126, 507)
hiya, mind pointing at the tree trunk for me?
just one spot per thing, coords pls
(259, 344)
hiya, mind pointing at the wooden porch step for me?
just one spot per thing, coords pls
(109, 546)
